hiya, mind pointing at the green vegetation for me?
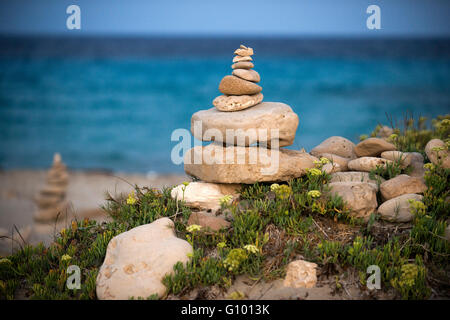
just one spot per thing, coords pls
(270, 225)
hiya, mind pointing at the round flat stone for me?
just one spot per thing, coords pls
(237, 103)
(232, 85)
(242, 65)
(240, 58)
(249, 75)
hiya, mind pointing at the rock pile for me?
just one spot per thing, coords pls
(356, 187)
(51, 199)
(246, 134)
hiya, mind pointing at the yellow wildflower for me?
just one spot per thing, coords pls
(193, 228)
(315, 172)
(314, 193)
(251, 248)
(221, 245)
(324, 160)
(131, 198)
(225, 199)
(274, 186)
(66, 257)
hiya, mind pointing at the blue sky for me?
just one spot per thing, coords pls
(230, 17)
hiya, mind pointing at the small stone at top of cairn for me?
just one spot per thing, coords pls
(51, 199)
(240, 90)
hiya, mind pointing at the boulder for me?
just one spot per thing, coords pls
(401, 184)
(204, 195)
(373, 147)
(215, 163)
(355, 176)
(438, 153)
(300, 274)
(208, 221)
(237, 103)
(259, 124)
(341, 161)
(403, 158)
(136, 261)
(398, 209)
(335, 145)
(367, 163)
(360, 197)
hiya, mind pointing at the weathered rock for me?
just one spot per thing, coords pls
(398, 209)
(300, 274)
(204, 195)
(208, 221)
(403, 158)
(232, 85)
(335, 145)
(438, 153)
(219, 164)
(360, 197)
(136, 261)
(367, 163)
(242, 58)
(355, 176)
(237, 103)
(329, 168)
(417, 170)
(401, 184)
(242, 65)
(341, 161)
(416, 157)
(373, 147)
(249, 75)
(244, 51)
(258, 124)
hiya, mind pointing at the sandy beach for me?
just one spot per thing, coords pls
(85, 193)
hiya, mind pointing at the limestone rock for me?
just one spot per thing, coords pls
(398, 209)
(136, 261)
(249, 75)
(215, 163)
(244, 51)
(300, 274)
(373, 147)
(416, 157)
(341, 161)
(242, 65)
(355, 176)
(208, 221)
(204, 195)
(335, 145)
(232, 85)
(367, 163)
(242, 58)
(401, 184)
(250, 125)
(438, 153)
(403, 158)
(417, 170)
(360, 197)
(329, 168)
(237, 103)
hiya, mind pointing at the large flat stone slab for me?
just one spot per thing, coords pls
(215, 163)
(252, 125)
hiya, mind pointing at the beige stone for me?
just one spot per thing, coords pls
(367, 163)
(242, 58)
(335, 145)
(398, 209)
(136, 261)
(300, 274)
(373, 147)
(341, 161)
(208, 221)
(232, 85)
(242, 65)
(51, 213)
(237, 103)
(246, 164)
(436, 156)
(355, 176)
(244, 51)
(204, 195)
(329, 168)
(401, 184)
(249, 75)
(385, 132)
(249, 126)
(403, 158)
(360, 197)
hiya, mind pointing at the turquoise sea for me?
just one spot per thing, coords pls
(111, 103)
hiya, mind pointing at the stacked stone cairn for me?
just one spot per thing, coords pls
(350, 177)
(51, 199)
(251, 153)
